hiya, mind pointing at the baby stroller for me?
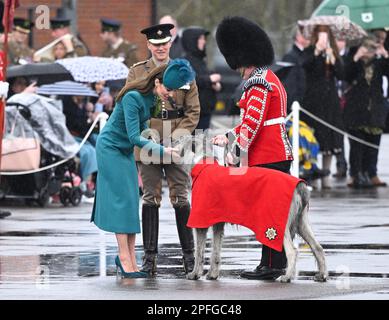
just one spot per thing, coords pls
(36, 137)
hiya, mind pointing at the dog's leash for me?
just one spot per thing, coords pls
(220, 153)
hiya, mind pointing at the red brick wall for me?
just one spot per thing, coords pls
(41, 37)
(134, 15)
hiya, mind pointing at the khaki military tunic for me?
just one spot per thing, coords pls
(19, 53)
(126, 51)
(184, 98)
(177, 175)
(79, 49)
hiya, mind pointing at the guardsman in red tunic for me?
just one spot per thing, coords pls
(261, 135)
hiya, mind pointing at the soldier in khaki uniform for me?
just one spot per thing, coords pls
(18, 50)
(74, 46)
(116, 46)
(170, 122)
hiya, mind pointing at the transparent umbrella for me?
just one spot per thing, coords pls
(341, 27)
(93, 69)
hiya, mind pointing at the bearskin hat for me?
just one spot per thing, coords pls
(243, 43)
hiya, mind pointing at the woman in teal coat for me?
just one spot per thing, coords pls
(116, 207)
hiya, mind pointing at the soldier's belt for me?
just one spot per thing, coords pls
(170, 114)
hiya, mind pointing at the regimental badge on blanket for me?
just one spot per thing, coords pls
(271, 233)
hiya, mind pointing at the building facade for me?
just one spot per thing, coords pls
(86, 14)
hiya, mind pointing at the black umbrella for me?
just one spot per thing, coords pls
(42, 73)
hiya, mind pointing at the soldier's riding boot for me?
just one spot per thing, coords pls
(272, 265)
(186, 236)
(150, 224)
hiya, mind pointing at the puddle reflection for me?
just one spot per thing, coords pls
(71, 266)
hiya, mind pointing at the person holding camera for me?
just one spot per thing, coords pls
(365, 110)
(323, 66)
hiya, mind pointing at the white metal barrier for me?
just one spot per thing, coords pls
(295, 138)
(296, 108)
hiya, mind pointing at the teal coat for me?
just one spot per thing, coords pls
(116, 207)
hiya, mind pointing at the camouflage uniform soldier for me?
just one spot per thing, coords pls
(74, 46)
(183, 114)
(18, 50)
(116, 46)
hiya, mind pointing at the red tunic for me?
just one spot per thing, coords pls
(262, 101)
(254, 197)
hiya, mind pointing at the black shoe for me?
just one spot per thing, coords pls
(314, 174)
(263, 273)
(319, 173)
(361, 181)
(4, 214)
(340, 175)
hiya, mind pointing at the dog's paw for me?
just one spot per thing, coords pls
(212, 276)
(320, 277)
(285, 279)
(193, 276)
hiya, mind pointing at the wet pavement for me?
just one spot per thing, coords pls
(56, 253)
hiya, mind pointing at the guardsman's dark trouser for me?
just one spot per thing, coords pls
(270, 257)
(272, 263)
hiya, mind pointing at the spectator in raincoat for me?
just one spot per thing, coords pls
(365, 110)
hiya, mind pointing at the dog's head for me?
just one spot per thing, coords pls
(151, 134)
(193, 148)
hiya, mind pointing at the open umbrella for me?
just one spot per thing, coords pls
(369, 14)
(43, 73)
(67, 88)
(93, 69)
(341, 27)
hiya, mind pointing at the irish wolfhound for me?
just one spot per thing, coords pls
(297, 223)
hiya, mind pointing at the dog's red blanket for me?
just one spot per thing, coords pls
(254, 197)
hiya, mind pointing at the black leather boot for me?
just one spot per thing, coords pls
(272, 266)
(263, 273)
(186, 237)
(150, 224)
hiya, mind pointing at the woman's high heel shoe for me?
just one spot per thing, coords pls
(124, 274)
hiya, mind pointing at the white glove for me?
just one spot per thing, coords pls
(4, 86)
